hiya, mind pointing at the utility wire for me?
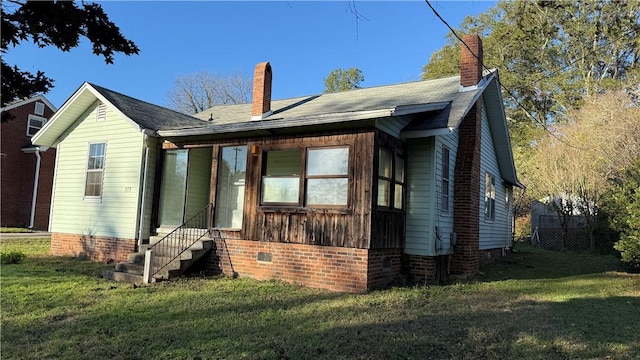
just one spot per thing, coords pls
(507, 90)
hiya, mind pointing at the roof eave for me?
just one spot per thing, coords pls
(279, 123)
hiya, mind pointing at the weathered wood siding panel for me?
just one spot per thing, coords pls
(115, 214)
(350, 228)
(420, 197)
(493, 233)
(443, 219)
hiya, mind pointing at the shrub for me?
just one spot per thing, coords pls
(11, 256)
(622, 203)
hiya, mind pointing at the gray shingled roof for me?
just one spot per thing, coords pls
(344, 106)
(147, 115)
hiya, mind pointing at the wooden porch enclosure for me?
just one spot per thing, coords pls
(347, 226)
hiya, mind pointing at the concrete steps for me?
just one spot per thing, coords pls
(132, 270)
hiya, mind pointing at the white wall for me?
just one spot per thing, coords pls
(493, 233)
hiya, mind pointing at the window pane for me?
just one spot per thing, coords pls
(328, 161)
(397, 197)
(284, 163)
(280, 190)
(445, 163)
(399, 169)
(383, 192)
(384, 164)
(39, 110)
(327, 191)
(94, 183)
(231, 181)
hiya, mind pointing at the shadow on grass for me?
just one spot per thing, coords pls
(528, 262)
(334, 326)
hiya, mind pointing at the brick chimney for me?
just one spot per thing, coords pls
(470, 65)
(261, 104)
(466, 188)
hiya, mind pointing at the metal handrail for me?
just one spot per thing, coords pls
(174, 244)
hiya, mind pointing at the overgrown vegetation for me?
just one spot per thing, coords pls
(622, 206)
(11, 256)
(536, 305)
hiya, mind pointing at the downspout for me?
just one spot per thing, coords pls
(144, 190)
(35, 189)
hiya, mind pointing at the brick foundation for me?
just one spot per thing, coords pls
(98, 248)
(325, 267)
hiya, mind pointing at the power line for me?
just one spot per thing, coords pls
(507, 90)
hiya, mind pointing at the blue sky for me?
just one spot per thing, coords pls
(304, 41)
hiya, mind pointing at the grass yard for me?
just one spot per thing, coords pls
(13, 230)
(534, 305)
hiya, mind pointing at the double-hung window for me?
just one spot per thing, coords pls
(35, 123)
(489, 197)
(95, 171)
(445, 187)
(314, 177)
(391, 180)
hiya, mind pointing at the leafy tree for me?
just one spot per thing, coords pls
(343, 79)
(59, 24)
(551, 55)
(597, 143)
(197, 92)
(623, 205)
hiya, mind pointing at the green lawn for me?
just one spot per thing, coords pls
(535, 305)
(14, 230)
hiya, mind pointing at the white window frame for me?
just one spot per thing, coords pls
(445, 177)
(101, 170)
(39, 108)
(489, 197)
(29, 126)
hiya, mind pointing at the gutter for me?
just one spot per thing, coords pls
(36, 177)
(144, 189)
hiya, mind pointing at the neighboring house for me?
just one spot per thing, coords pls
(548, 223)
(27, 171)
(343, 191)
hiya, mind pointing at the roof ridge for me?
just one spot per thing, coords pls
(142, 101)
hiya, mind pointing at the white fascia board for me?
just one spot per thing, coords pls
(41, 98)
(416, 134)
(418, 108)
(105, 101)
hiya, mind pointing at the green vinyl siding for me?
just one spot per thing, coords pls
(420, 197)
(115, 213)
(493, 233)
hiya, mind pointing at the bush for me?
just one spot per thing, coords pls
(11, 256)
(622, 204)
